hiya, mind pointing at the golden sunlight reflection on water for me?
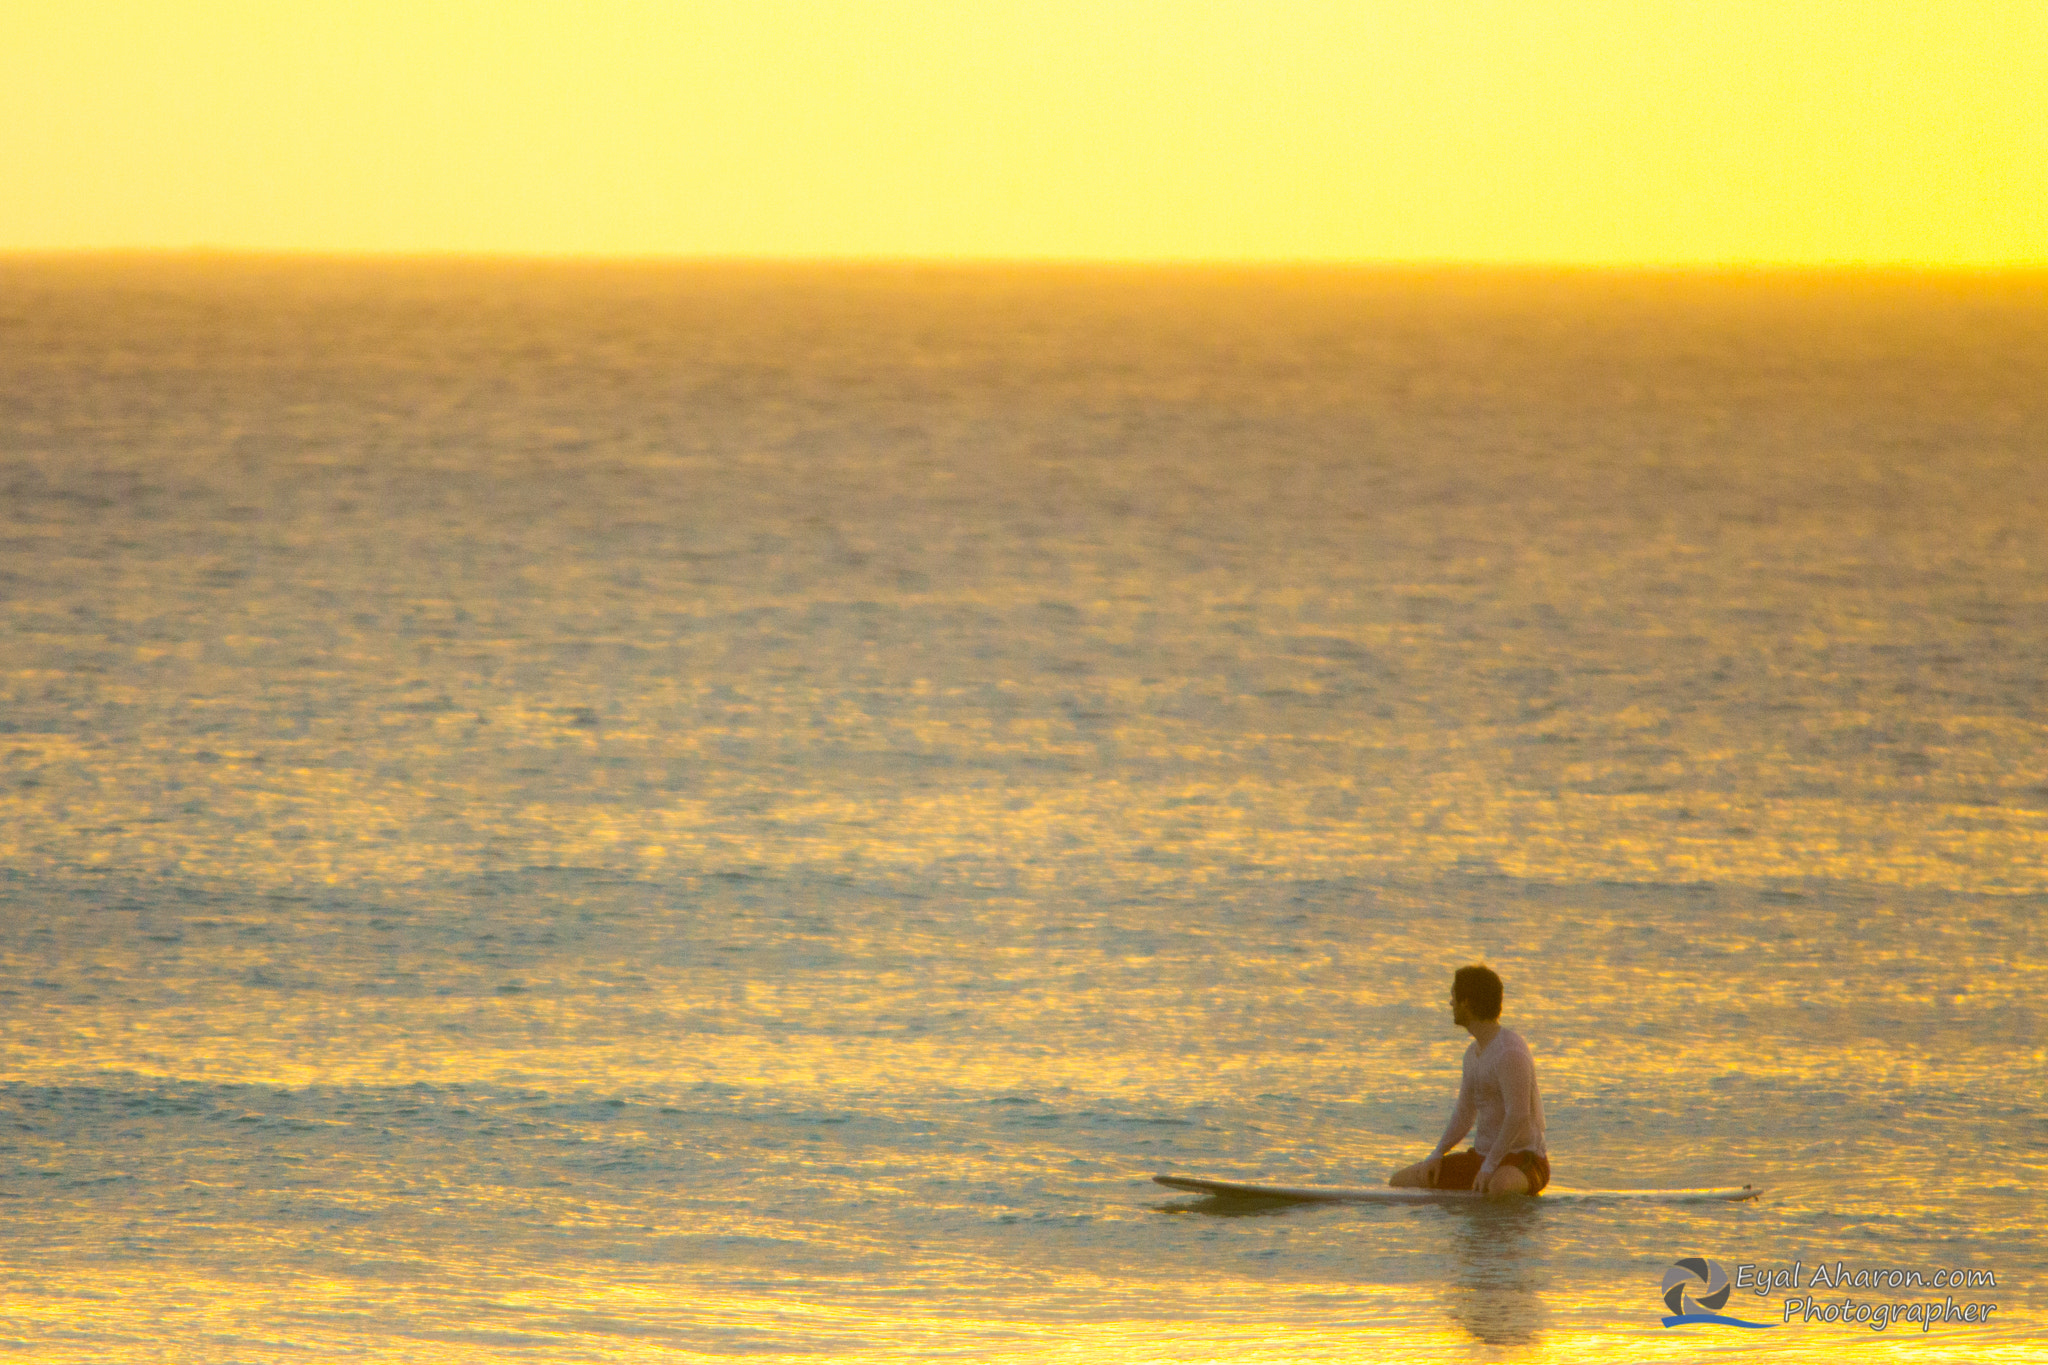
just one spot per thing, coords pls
(630, 1316)
(577, 813)
(293, 826)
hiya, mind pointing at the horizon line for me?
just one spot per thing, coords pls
(1664, 266)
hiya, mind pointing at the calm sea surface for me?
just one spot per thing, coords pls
(580, 813)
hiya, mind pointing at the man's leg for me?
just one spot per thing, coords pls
(1455, 1172)
(1508, 1179)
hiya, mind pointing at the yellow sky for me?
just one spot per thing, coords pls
(1550, 130)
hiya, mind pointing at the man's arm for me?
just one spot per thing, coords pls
(1424, 1173)
(1517, 1083)
(1462, 1114)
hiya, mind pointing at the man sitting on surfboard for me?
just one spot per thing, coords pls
(1507, 1155)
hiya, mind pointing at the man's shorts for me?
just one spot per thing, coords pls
(1460, 1169)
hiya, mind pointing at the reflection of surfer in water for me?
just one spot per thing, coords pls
(1507, 1155)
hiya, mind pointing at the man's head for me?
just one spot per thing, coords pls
(1475, 992)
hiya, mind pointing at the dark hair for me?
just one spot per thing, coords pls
(1480, 988)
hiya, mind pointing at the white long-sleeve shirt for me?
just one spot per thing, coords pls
(1498, 1089)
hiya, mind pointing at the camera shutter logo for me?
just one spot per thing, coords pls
(1696, 1290)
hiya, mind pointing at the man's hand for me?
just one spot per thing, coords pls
(1431, 1169)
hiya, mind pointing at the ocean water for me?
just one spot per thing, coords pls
(609, 812)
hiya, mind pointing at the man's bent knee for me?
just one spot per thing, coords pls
(1508, 1180)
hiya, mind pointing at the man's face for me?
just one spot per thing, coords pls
(1461, 1013)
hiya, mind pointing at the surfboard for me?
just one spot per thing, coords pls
(1387, 1194)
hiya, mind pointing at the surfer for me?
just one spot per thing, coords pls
(1498, 1090)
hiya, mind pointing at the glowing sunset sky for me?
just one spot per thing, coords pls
(1581, 131)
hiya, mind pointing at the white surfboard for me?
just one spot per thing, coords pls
(1387, 1194)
